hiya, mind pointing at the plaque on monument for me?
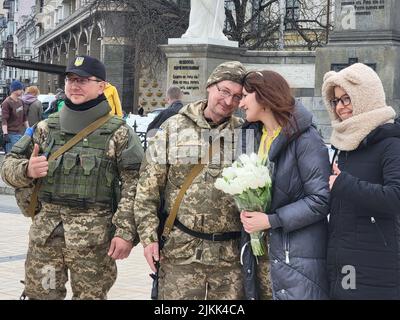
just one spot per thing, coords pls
(361, 15)
(339, 66)
(366, 31)
(186, 74)
(366, 20)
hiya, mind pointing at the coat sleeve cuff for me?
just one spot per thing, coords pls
(274, 221)
(146, 240)
(121, 233)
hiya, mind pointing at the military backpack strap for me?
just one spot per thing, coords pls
(169, 223)
(73, 141)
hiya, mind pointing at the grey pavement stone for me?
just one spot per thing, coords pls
(133, 281)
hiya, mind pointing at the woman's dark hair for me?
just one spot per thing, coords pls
(273, 92)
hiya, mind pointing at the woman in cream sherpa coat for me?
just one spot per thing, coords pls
(364, 226)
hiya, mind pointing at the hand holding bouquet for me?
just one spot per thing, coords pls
(249, 182)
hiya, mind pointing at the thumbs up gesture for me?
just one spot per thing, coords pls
(38, 165)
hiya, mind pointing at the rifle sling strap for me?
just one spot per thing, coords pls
(186, 184)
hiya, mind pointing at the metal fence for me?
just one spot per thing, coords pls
(142, 136)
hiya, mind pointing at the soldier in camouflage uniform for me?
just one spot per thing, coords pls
(81, 226)
(191, 266)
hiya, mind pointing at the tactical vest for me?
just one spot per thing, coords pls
(83, 176)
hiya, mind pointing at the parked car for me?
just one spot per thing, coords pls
(155, 112)
(46, 99)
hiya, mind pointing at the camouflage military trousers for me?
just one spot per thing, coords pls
(92, 271)
(264, 278)
(196, 281)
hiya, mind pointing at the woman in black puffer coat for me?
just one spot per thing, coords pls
(296, 223)
(364, 237)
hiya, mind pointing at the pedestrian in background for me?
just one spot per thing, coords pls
(33, 107)
(174, 100)
(56, 104)
(14, 120)
(112, 96)
(364, 223)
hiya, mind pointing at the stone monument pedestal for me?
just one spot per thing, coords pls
(366, 32)
(189, 65)
(217, 42)
(385, 60)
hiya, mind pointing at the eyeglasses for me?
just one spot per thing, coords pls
(344, 99)
(226, 94)
(80, 81)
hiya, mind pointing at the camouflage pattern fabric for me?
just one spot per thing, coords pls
(92, 271)
(264, 278)
(179, 144)
(231, 70)
(83, 175)
(91, 226)
(86, 234)
(200, 282)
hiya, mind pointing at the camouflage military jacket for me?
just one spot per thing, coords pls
(179, 144)
(91, 226)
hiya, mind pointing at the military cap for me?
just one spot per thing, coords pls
(87, 66)
(230, 70)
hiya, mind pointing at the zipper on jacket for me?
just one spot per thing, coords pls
(286, 247)
(373, 221)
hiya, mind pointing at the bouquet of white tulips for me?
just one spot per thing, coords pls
(249, 182)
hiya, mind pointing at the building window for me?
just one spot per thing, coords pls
(292, 14)
(41, 4)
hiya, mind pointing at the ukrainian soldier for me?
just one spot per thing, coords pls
(86, 194)
(200, 256)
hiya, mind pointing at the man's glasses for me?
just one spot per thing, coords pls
(80, 81)
(344, 99)
(226, 94)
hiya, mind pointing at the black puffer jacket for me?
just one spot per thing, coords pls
(364, 225)
(172, 110)
(300, 199)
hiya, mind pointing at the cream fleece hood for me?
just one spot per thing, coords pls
(368, 99)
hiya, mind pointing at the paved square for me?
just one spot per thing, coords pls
(133, 281)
